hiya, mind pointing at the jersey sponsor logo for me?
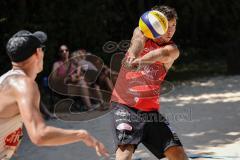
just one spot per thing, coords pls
(13, 139)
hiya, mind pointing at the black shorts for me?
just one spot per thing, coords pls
(131, 126)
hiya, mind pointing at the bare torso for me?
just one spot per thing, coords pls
(8, 105)
(8, 97)
(10, 119)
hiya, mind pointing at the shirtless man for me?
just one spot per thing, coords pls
(135, 98)
(20, 100)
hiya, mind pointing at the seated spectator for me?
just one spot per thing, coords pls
(60, 70)
(59, 74)
(74, 79)
(86, 81)
(103, 79)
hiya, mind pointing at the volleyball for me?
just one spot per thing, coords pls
(153, 24)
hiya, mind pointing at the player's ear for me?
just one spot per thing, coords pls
(38, 52)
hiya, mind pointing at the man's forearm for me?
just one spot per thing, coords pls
(160, 55)
(137, 45)
(52, 136)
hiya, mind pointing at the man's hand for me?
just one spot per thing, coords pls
(127, 63)
(134, 64)
(130, 59)
(94, 143)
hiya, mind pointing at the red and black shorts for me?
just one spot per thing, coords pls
(131, 126)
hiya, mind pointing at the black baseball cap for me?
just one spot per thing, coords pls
(23, 44)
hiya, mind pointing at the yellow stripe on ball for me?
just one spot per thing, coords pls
(144, 28)
(162, 19)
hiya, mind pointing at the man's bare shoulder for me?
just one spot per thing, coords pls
(13, 89)
(20, 84)
(172, 50)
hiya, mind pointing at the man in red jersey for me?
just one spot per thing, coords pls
(135, 98)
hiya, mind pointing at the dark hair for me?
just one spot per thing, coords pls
(169, 12)
(23, 44)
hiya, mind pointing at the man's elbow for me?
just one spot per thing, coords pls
(39, 138)
(176, 55)
(170, 57)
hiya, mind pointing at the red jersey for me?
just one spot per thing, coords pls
(141, 89)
